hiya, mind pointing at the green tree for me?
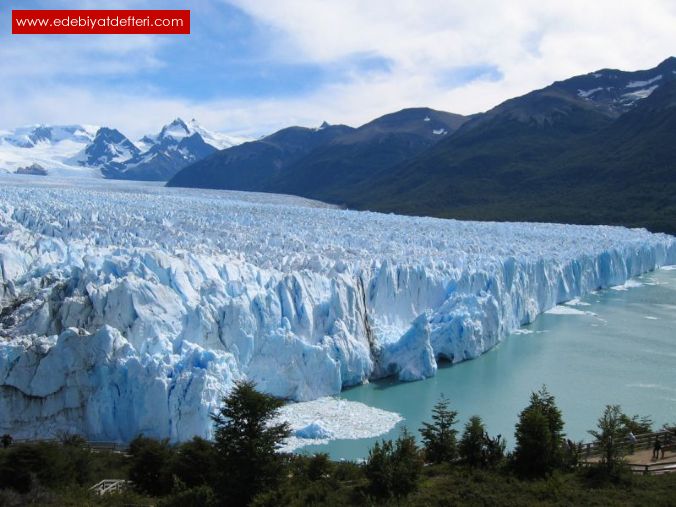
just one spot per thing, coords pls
(150, 466)
(609, 436)
(473, 442)
(477, 449)
(439, 436)
(247, 442)
(539, 436)
(196, 463)
(636, 424)
(393, 469)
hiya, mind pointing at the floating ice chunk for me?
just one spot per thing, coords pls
(629, 284)
(576, 302)
(566, 310)
(316, 430)
(339, 419)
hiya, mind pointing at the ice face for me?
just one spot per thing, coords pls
(130, 310)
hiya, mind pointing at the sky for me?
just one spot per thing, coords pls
(250, 67)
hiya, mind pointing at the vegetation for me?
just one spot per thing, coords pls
(242, 467)
(439, 436)
(610, 435)
(477, 449)
(393, 470)
(246, 444)
(539, 437)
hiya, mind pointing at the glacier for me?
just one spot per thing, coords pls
(132, 309)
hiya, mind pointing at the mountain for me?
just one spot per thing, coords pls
(55, 148)
(89, 151)
(314, 161)
(110, 148)
(327, 172)
(552, 155)
(255, 165)
(177, 145)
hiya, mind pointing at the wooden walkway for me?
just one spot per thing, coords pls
(639, 456)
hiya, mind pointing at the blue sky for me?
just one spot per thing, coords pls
(252, 66)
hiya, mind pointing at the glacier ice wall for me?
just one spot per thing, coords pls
(129, 310)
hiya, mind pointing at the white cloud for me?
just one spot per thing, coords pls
(531, 43)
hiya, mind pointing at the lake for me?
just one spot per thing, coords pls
(616, 346)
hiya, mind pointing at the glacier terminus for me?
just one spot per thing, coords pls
(129, 309)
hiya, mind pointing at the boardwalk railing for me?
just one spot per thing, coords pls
(110, 486)
(643, 441)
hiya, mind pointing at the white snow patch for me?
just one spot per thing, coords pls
(650, 317)
(325, 419)
(439, 132)
(638, 95)
(587, 93)
(641, 84)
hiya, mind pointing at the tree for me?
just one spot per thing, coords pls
(636, 424)
(246, 442)
(472, 443)
(539, 436)
(195, 463)
(439, 436)
(609, 436)
(150, 466)
(393, 469)
(477, 449)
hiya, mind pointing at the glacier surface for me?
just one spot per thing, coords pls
(132, 309)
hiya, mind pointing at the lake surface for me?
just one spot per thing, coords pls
(617, 346)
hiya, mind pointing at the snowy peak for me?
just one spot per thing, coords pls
(109, 146)
(177, 129)
(616, 91)
(29, 137)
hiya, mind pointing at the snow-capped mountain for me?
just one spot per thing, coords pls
(56, 148)
(109, 147)
(618, 91)
(178, 130)
(161, 156)
(86, 150)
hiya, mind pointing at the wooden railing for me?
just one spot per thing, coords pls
(643, 441)
(107, 486)
(653, 468)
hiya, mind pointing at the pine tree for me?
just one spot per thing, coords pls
(247, 443)
(439, 436)
(539, 436)
(472, 447)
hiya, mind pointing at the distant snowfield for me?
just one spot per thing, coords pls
(131, 308)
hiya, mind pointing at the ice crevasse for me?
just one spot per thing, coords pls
(133, 311)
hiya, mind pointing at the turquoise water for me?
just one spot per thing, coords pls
(622, 352)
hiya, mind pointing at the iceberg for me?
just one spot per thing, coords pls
(133, 309)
